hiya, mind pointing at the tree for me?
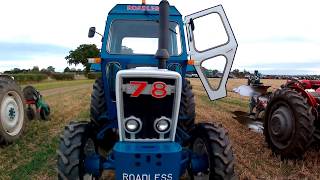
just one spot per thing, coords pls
(16, 71)
(43, 70)
(35, 69)
(81, 55)
(67, 69)
(51, 69)
(126, 50)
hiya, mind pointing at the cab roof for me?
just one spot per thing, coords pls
(141, 9)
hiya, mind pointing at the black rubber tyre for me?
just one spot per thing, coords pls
(72, 150)
(44, 115)
(97, 108)
(98, 102)
(187, 112)
(30, 93)
(30, 113)
(289, 124)
(217, 146)
(11, 98)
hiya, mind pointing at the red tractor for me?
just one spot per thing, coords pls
(292, 120)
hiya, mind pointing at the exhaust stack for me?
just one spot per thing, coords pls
(162, 53)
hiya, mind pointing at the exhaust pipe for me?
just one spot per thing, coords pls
(162, 53)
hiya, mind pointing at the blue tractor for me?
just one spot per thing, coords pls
(142, 124)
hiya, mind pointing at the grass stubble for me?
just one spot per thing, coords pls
(34, 155)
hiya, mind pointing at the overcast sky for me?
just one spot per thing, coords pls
(276, 37)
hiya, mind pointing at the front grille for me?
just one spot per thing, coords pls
(148, 108)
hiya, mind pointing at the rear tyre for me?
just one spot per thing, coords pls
(187, 111)
(12, 111)
(75, 144)
(212, 141)
(289, 124)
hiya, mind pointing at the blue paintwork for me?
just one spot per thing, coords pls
(92, 164)
(95, 67)
(133, 158)
(148, 159)
(121, 12)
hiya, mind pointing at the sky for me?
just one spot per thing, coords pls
(275, 37)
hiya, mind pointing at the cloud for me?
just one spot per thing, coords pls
(24, 51)
(268, 32)
(310, 67)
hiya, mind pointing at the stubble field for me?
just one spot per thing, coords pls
(34, 155)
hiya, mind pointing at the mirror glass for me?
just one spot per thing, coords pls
(213, 69)
(209, 32)
(92, 31)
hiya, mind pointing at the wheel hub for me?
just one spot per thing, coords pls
(11, 113)
(10, 107)
(281, 125)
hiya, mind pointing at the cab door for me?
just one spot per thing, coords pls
(212, 47)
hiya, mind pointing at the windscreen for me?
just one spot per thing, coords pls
(141, 37)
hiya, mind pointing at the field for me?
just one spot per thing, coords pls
(34, 155)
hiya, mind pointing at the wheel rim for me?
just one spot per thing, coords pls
(199, 147)
(12, 113)
(281, 125)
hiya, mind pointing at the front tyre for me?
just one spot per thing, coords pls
(75, 144)
(212, 141)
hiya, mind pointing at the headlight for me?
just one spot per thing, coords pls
(132, 124)
(162, 125)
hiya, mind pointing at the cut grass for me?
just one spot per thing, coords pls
(34, 155)
(60, 84)
(254, 160)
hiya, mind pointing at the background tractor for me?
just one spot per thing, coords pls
(292, 118)
(142, 122)
(35, 100)
(12, 110)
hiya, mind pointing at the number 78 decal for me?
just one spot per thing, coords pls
(157, 89)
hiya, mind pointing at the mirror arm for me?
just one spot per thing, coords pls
(99, 34)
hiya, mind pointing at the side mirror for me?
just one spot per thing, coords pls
(192, 24)
(92, 31)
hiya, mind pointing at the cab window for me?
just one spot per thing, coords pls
(141, 37)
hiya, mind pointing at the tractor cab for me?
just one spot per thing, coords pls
(131, 40)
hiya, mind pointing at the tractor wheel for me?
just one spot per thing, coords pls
(289, 124)
(187, 112)
(75, 144)
(97, 108)
(30, 113)
(98, 102)
(12, 111)
(44, 115)
(211, 141)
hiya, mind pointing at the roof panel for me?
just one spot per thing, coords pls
(141, 9)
